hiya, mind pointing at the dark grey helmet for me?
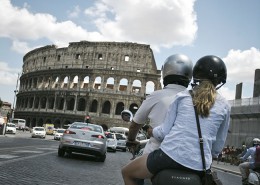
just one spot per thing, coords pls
(178, 64)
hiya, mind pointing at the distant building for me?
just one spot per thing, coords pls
(245, 116)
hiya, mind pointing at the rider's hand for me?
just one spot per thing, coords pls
(150, 131)
(132, 145)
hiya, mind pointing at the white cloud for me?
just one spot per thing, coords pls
(20, 47)
(8, 74)
(241, 65)
(227, 93)
(158, 23)
(26, 26)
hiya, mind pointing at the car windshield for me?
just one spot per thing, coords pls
(109, 135)
(120, 137)
(10, 125)
(85, 126)
(60, 131)
(39, 129)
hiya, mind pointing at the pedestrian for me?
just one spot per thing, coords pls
(246, 165)
(176, 74)
(180, 147)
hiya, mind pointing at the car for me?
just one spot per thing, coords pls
(111, 141)
(121, 141)
(84, 138)
(10, 128)
(58, 133)
(38, 132)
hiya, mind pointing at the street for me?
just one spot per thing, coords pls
(34, 161)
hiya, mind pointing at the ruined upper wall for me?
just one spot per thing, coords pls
(123, 56)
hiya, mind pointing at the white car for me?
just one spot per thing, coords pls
(10, 128)
(58, 133)
(38, 132)
(111, 141)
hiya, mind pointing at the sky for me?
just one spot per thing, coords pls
(229, 29)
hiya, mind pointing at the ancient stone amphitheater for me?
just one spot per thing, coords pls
(99, 79)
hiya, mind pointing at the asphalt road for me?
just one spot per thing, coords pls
(34, 161)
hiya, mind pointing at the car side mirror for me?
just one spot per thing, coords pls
(126, 115)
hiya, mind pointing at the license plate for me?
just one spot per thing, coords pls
(79, 143)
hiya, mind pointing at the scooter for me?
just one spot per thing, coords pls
(254, 177)
(169, 176)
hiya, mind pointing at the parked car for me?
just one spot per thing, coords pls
(111, 141)
(38, 132)
(84, 138)
(121, 141)
(58, 133)
(10, 128)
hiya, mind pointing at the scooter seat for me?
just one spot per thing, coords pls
(176, 177)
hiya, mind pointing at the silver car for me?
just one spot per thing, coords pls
(84, 138)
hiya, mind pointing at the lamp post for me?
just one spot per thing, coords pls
(15, 92)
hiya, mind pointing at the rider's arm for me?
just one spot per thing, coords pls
(248, 153)
(162, 130)
(133, 130)
(221, 136)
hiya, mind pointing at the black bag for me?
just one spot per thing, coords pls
(211, 178)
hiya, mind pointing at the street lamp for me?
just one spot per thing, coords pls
(15, 92)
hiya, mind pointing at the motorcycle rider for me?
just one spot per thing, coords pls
(178, 132)
(245, 166)
(176, 74)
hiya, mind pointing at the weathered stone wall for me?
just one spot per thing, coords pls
(100, 79)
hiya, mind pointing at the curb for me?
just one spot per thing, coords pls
(226, 170)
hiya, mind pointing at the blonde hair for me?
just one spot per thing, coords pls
(204, 96)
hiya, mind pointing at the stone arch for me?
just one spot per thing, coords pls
(43, 102)
(81, 104)
(70, 103)
(119, 108)
(110, 83)
(123, 84)
(60, 103)
(133, 108)
(36, 102)
(136, 86)
(150, 87)
(33, 122)
(50, 103)
(48, 121)
(85, 82)
(74, 83)
(65, 82)
(97, 83)
(94, 106)
(106, 107)
(31, 102)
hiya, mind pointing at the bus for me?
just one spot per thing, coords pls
(19, 123)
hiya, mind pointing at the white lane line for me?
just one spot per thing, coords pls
(24, 158)
(28, 151)
(8, 156)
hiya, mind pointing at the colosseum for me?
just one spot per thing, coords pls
(96, 79)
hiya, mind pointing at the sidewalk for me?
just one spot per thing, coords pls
(226, 167)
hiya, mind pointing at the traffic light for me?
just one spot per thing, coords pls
(87, 119)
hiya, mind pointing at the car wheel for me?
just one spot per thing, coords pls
(124, 150)
(61, 152)
(102, 158)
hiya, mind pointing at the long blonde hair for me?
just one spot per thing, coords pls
(204, 96)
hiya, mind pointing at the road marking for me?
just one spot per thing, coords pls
(8, 156)
(24, 158)
(28, 151)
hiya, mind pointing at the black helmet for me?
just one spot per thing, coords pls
(212, 68)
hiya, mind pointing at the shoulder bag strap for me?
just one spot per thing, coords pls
(200, 136)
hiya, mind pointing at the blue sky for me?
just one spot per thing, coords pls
(229, 29)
